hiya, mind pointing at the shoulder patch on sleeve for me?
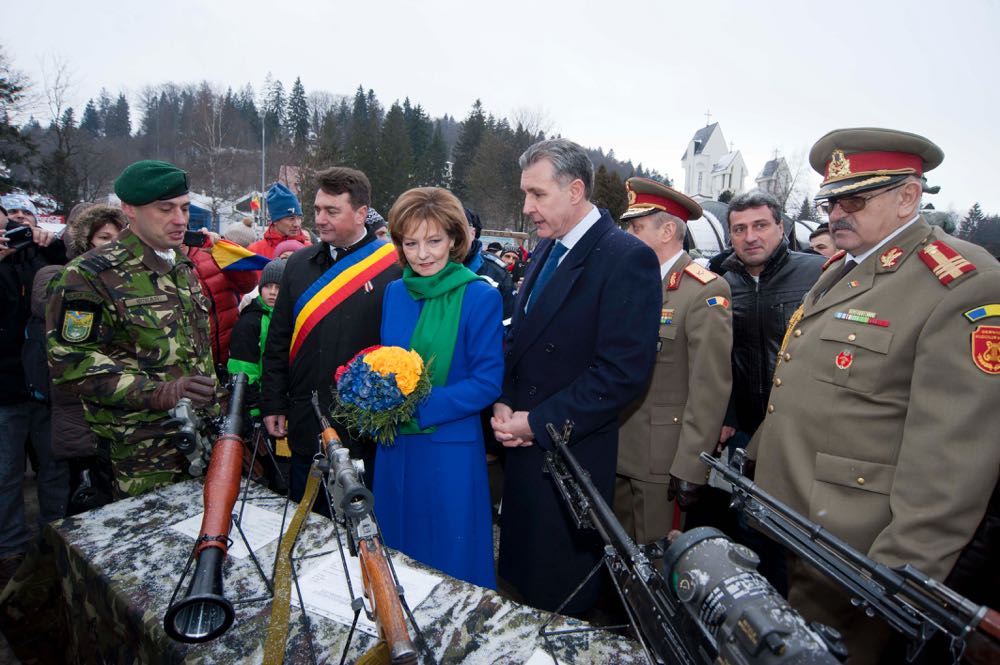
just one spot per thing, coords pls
(982, 312)
(833, 259)
(717, 301)
(78, 318)
(946, 264)
(703, 275)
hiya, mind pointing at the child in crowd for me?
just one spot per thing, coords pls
(246, 349)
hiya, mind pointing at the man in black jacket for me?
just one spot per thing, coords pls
(768, 282)
(310, 336)
(24, 412)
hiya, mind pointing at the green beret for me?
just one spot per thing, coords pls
(149, 180)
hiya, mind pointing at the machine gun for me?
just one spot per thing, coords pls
(204, 613)
(911, 603)
(353, 505)
(716, 608)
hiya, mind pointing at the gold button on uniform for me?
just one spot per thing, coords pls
(677, 420)
(786, 357)
(797, 333)
(777, 381)
(861, 481)
(851, 337)
(770, 408)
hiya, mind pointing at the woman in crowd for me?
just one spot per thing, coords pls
(431, 490)
(87, 227)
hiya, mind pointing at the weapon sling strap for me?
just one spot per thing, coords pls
(277, 629)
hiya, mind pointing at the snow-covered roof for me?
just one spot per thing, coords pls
(725, 161)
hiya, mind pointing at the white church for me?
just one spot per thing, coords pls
(711, 166)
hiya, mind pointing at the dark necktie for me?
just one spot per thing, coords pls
(846, 268)
(551, 263)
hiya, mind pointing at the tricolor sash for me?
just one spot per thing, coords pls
(334, 287)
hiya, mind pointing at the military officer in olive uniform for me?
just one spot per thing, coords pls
(128, 331)
(681, 411)
(883, 413)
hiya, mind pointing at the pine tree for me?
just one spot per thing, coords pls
(362, 134)
(91, 121)
(970, 223)
(394, 173)
(117, 123)
(274, 110)
(806, 210)
(470, 135)
(434, 165)
(297, 119)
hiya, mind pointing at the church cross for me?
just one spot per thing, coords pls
(708, 117)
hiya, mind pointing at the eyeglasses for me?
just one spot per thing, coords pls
(851, 204)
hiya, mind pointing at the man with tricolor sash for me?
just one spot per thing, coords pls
(329, 307)
(882, 418)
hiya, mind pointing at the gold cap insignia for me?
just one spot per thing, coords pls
(631, 197)
(840, 165)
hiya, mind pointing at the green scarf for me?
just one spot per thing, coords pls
(437, 327)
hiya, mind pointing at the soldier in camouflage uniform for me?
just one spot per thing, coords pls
(128, 331)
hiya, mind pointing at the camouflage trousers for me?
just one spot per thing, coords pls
(145, 465)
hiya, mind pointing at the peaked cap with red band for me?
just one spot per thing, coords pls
(863, 158)
(647, 196)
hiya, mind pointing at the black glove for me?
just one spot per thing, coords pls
(684, 493)
(199, 389)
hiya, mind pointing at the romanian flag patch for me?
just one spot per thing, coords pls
(717, 301)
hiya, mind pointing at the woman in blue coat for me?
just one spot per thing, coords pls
(431, 491)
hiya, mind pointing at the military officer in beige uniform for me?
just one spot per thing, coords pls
(885, 401)
(680, 414)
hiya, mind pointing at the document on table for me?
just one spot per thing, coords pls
(324, 589)
(542, 657)
(260, 526)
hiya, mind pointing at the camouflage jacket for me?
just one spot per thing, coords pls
(122, 320)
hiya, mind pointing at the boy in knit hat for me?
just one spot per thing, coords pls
(248, 340)
(286, 221)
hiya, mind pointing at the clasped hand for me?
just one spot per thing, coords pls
(511, 428)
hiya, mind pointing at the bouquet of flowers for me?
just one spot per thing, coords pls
(379, 389)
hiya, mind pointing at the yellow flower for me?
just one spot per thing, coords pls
(406, 365)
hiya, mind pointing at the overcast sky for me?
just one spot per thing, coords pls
(635, 76)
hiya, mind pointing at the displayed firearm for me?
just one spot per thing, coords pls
(911, 603)
(716, 608)
(204, 613)
(353, 505)
(190, 439)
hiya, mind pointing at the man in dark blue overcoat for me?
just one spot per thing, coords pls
(583, 343)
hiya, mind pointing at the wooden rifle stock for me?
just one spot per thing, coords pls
(384, 598)
(353, 503)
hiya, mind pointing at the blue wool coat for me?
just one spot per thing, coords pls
(432, 497)
(583, 352)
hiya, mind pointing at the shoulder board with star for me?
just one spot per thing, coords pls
(946, 264)
(701, 274)
(833, 259)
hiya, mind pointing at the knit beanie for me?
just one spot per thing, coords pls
(282, 203)
(271, 274)
(373, 220)
(239, 234)
(286, 245)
